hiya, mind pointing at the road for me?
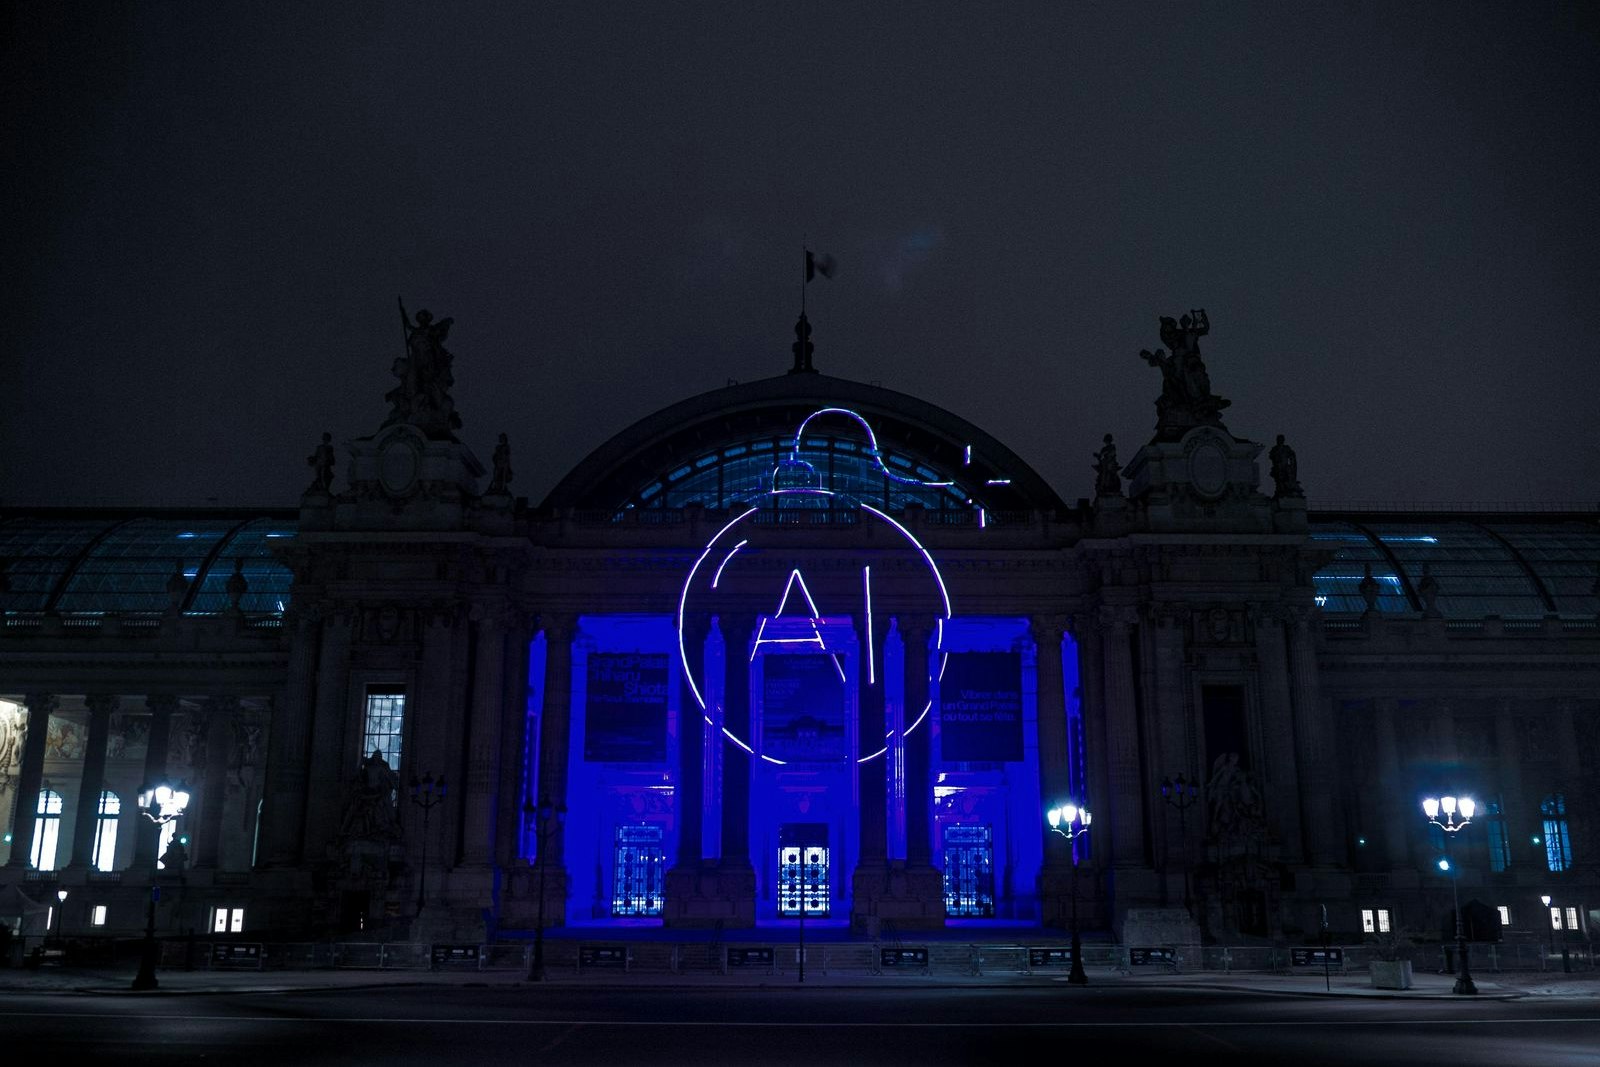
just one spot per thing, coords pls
(779, 1027)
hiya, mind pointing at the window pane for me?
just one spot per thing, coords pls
(386, 706)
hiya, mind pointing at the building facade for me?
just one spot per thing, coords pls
(799, 645)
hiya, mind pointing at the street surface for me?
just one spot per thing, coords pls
(618, 1024)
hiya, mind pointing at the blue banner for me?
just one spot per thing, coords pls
(980, 708)
(625, 718)
(803, 708)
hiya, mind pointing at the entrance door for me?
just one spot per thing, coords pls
(640, 858)
(803, 870)
(969, 871)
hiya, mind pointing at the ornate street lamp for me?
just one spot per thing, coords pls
(61, 912)
(1457, 814)
(547, 818)
(1071, 822)
(1183, 796)
(162, 803)
(426, 794)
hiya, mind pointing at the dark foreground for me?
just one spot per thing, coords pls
(811, 1026)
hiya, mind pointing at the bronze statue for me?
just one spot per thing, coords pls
(1186, 399)
(502, 466)
(1107, 471)
(1284, 469)
(422, 399)
(322, 461)
(369, 809)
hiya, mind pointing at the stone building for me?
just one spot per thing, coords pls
(799, 643)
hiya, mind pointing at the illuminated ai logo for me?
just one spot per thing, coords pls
(757, 551)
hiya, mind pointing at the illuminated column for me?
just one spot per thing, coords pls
(894, 658)
(1122, 736)
(283, 814)
(914, 632)
(736, 630)
(1054, 783)
(1091, 672)
(213, 792)
(1508, 756)
(711, 723)
(330, 770)
(554, 728)
(30, 778)
(1396, 798)
(691, 737)
(483, 744)
(161, 708)
(101, 705)
(1312, 752)
(872, 775)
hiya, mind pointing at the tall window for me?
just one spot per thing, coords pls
(46, 830)
(386, 710)
(1557, 842)
(105, 831)
(1499, 840)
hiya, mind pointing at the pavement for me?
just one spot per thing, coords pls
(117, 979)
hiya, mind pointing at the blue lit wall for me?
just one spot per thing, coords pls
(1002, 794)
(603, 795)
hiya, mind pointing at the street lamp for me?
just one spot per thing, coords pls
(544, 816)
(1071, 822)
(61, 912)
(1183, 796)
(1457, 814)
(1566, 958)
(426, 794)
(162, 803)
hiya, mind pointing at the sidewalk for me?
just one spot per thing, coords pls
(117, 980)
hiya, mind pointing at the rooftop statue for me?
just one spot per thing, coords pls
(422, 399)
(1186, 399)
(1285, 470)
(1107, 471)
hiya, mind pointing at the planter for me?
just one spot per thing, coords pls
(1391, 974)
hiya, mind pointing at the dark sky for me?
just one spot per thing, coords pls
(1388, 210)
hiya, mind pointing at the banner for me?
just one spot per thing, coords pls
(803, 708)
(980, 708)
(625, 718)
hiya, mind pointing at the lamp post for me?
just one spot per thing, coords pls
(426, 794)
(1566, 958)
(162, 803)
(1072, 822)
(1457, 814)
(61, 912)
(1183, 796)
(544, 815)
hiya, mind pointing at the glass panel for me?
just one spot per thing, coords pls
(969, 871)
(386, 709)
(640, 867)
(803, 870)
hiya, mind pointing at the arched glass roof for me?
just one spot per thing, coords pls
(92, 565)
(1502, 565)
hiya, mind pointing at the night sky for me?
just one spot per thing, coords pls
(1388, 211)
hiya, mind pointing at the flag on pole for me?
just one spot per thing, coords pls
(818, 263)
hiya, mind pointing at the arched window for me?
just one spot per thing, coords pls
(105, 831)
(1557, 841)
(46, 830)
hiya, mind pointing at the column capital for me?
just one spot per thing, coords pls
(41, 703)
(161, 703)
(1046, 629)
(1118, 618)
(102, 703)
(558, 626)
(912, 627)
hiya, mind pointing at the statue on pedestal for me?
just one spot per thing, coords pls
(422, 399)
(369, 808)
(1107, 471)
(322, 461)
(1284, 470)
(1186, 399)
(502, 466)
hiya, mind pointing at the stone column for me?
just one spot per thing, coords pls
(288, 745)
(1054, 781)
(484, 740)
(1279, 716)
(1092, 706)
(87, 819)
(1176, 832)
(162, 707)
(1566, 731)
(25, 811)
(213, 792)
(1126, 798)
(554, 732)
(1313, 754)
(715, 673)
(1508, 757)
(736, 631)
(1395, 804)
(691, 736)
(915, 631)
(515, 739)
(872, 779)
(331, 766)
